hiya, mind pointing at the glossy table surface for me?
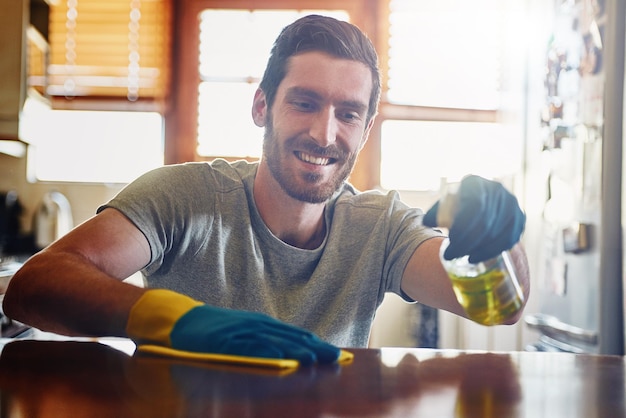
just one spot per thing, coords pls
(103, 379)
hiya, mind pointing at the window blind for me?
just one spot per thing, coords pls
(109, 49)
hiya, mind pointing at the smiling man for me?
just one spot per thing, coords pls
(281, 258)
(318, 124)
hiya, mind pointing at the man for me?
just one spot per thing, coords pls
(270, 256)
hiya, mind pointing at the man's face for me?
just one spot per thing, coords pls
(317, 124)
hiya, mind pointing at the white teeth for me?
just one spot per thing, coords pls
(314, 160)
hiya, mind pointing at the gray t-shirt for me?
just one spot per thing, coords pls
(208, 241)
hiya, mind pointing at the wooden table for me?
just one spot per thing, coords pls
(91, 379)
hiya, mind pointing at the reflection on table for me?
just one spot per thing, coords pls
(91, 379)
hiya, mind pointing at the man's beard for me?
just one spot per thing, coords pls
(313, 191)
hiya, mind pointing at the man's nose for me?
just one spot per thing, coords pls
(324, 127)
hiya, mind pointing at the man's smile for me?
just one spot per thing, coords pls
(308, 158)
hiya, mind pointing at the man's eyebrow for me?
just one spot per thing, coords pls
(301, 91)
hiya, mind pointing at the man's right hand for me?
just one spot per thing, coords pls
(177, 321)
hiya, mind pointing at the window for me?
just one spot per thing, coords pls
(107, 78)
(234, 48)
(113, 49)
(445, 53)
(421, 155)
(440, 120)
(443, 71)
(94, 146)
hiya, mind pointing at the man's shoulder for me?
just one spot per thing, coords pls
(375, 199)
(237, 168)
(237, 172)
(220, 173)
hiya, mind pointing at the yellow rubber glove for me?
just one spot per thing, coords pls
(170, 319)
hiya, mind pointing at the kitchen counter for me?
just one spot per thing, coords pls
(100, 379)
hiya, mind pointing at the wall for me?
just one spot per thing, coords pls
(84, 198)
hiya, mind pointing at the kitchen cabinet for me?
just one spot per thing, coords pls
(23, 63)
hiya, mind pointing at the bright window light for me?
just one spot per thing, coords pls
(419, 155)
(445, 53)
(95, 146)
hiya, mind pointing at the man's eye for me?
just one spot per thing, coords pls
(303, 105)
(350, 116)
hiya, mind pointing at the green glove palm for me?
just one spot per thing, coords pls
(174, 320)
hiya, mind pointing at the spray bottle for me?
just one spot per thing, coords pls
(488, 291)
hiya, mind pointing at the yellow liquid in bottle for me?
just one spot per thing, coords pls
(488, 298)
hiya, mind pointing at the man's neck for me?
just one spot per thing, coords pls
(297, 223)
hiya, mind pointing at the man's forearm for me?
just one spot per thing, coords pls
(55, 292)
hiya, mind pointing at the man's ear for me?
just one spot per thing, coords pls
(259, 108)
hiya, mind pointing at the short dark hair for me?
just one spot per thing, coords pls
(321, 33)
